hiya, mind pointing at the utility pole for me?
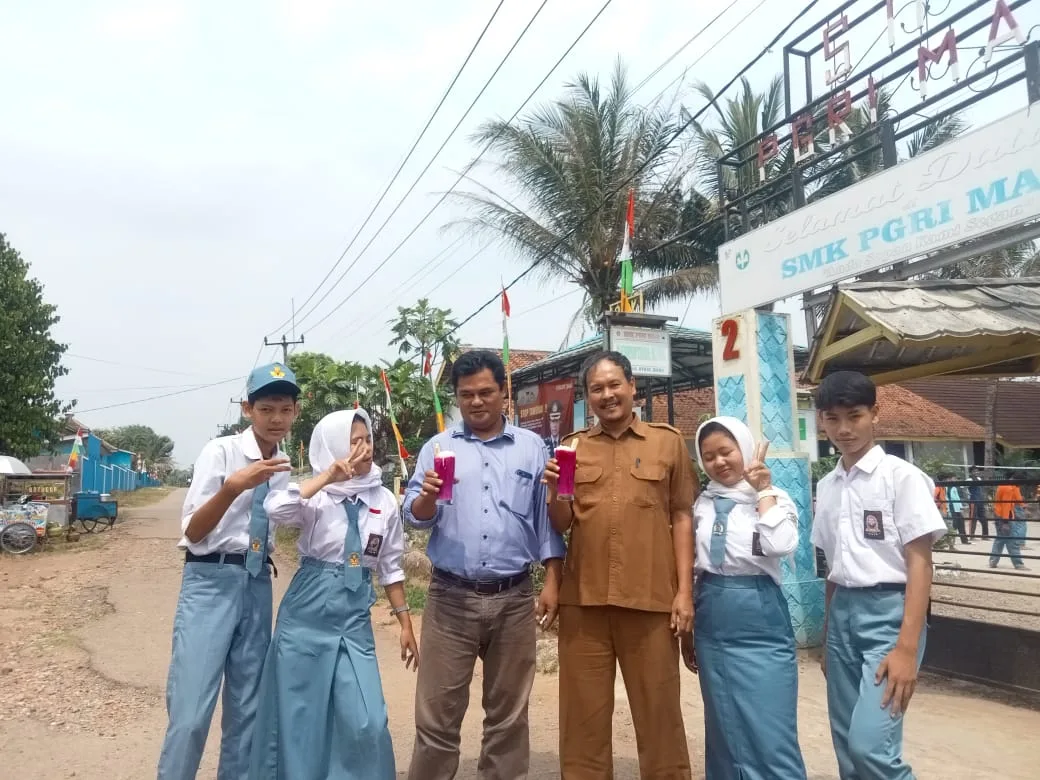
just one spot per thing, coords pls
(284, 344)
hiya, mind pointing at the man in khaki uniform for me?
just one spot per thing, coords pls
(627, 589)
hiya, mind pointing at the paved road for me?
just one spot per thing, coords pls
(84, 645)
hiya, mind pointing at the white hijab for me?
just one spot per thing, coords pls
(741, 492)
(330, 441)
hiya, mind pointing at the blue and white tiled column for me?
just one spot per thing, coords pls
(754, 381)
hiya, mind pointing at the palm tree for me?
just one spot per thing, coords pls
(568, 158)
(744, 118)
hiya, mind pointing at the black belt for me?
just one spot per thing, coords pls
(235, 559)
(482, 587)
(900, 586)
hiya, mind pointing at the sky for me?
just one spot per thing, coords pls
(181, 174)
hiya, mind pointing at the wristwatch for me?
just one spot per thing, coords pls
(769, 492)
(398, 610)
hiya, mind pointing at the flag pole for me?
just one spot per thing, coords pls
(505, 353)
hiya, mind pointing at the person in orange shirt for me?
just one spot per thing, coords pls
(1007, 501)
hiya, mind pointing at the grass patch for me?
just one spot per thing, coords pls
(285, 539)
(142, 497)
(415, 597)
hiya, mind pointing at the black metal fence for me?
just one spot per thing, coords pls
(985, 622)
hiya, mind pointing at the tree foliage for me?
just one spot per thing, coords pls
(154, 449)
(423, 328)
(179, 477)
(230, 429)
(328, 385)
(30, 361)
(564, 160)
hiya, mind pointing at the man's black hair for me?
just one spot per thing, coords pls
(714, 427)
(616, 358)
(475, 361)
(275, 390)
(846, 389)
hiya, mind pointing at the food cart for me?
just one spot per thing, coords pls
(91, 508)
(29, 504)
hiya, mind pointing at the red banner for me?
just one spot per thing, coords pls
(548, 410)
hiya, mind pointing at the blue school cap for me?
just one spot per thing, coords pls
(272, 379)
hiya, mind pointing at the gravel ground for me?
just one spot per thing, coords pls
(1019, 609)
(84, 646)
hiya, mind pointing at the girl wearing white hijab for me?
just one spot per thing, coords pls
(743, 643)
(322, 713)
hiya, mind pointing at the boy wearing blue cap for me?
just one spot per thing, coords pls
(222, 625)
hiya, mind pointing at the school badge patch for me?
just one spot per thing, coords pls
(255, 545)
(873, 525)
(355, 559)
(375, 544)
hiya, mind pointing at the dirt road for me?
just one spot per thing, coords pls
(85, 642)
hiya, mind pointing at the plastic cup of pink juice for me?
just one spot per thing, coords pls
(567, 459)
(444, 465)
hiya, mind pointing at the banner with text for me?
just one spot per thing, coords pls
(980, 183)
(547, 409)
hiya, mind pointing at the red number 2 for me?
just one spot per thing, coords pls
(729, 330)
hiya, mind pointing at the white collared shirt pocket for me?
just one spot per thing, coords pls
(373, 536)
(875, 524)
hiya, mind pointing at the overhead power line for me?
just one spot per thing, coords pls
(364, 324)
(708, 51)
(404, 162)
(422, 173)
(130, 365)
(157, 397)
(428, 268)
(685, 46)
(610, 197)
(464, 172)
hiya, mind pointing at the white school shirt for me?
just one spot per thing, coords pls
(777, 530)
(865, 516)
(218, 460)
(322, 520)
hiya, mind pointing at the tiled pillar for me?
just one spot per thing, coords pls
(754, 382)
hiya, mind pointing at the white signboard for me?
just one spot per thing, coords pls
(980, 183)
(649, 349)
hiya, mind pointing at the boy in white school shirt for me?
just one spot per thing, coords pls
(223, 622)
(876, 522)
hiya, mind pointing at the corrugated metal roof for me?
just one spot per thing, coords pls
(959, 308)
(931, 327)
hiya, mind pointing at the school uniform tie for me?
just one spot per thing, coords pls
(352, 547)
(256, 555)
(717, 550)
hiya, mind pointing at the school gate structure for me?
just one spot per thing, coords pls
(823, 197)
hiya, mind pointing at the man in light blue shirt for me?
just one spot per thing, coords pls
(481, 600)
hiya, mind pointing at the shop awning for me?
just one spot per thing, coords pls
(897, 331)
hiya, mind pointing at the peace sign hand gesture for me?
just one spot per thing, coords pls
(345, 468)
(756, 473)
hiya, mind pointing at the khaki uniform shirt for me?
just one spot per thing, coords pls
(620, 551)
